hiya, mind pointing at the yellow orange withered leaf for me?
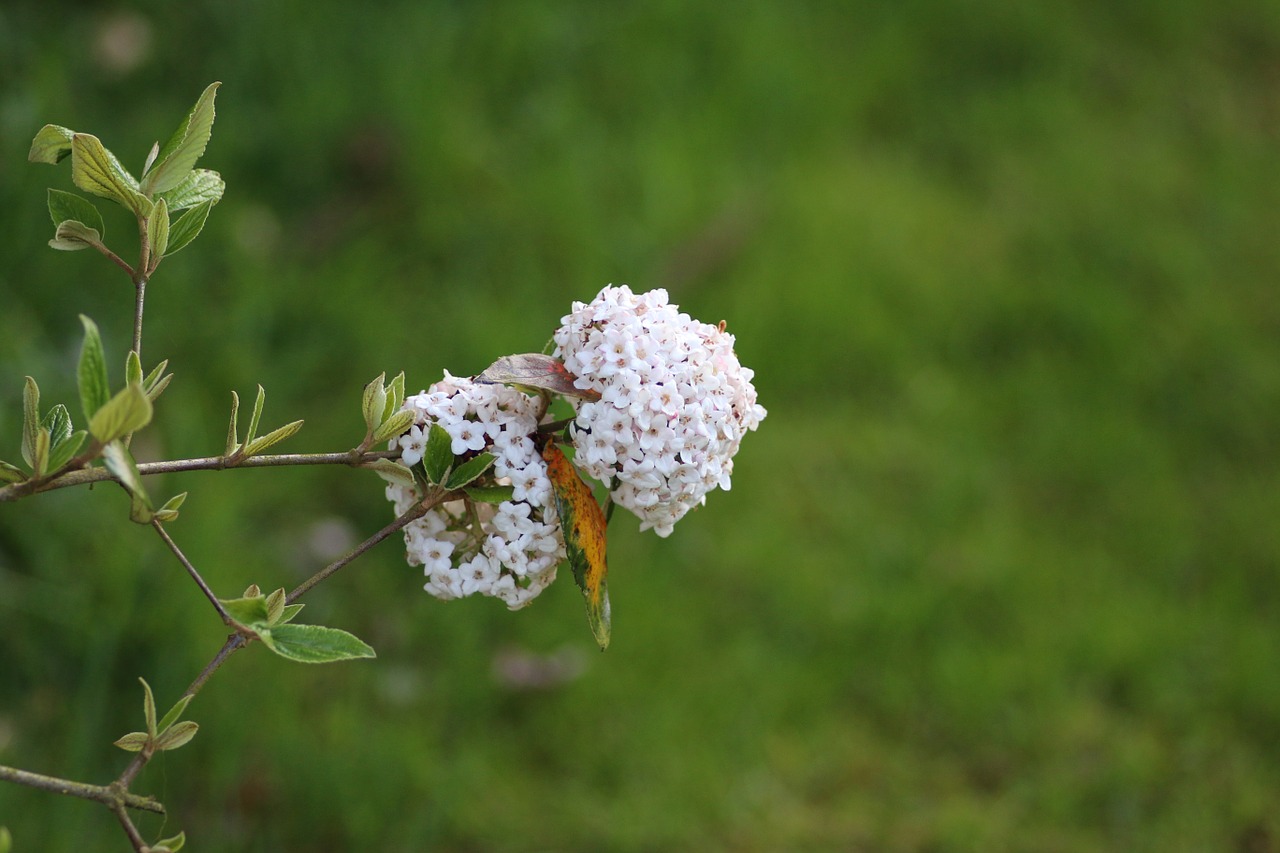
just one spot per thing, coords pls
(583, 525)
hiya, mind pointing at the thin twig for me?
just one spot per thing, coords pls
(191, 570)
(135, 837)
(414, 512)
(140, 289)
(114, 258)
(98, 793)
(85, 476)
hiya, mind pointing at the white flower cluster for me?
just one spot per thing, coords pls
(515, 550)
(674, 402)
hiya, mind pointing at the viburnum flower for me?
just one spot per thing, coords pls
(510, 550)
(674, 402)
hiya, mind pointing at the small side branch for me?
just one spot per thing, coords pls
(86, 476)
(191, 570)
(109, 795)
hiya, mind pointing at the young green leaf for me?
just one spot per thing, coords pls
(6, 840)
(51, 144)
(58, 422)
(179, 155)
(233, 435)
(469, 470)
(120, 463)
(314, 643)
(91, 374)
(41, 462)
(10, 473)
(393, 426)
(179, 734)
(491, 494)
(392, 472)
(583, 525)
(154, 377)
(276, 436)
(169, 511)
(96, 170)
(133, 369)
(158, 232)
(395, 396)
(200, 186)
(133, 742)
(72, 236)
(30, 421)
(188, 226)
(290, 611)
(249, 611)
(256, 416)
(373, 402)
(125, 413)
(438, 456)
(173, 844)
(174, 713)
(275, 605)
(64, 206)
(62, 452)
(148, 707)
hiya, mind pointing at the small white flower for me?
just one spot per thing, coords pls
(674, 402)
(412, 443)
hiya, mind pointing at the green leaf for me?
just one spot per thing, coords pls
(65, 450)
(169, 511)
(179, 734)
(41, 462)
(256, 416)
(64, 206)
(290, 611)
(6, 840)
(275, 605)
(249, 611)
(233, 437)
(51, 144)
(30, 420)
(174, 713)
(200, 186)
(373, 402)
(274, 437)
(96, 170)
(120, 463)
(174, 843)
(491, 494)
(91, 374)
(395, 396)
(158, 232)
(395, 425)
(437, 457)
(58, 422)
(188, 226)
(315, 644)
(153, 378)
(469, 470)
(392, 472)
(179, 155)
(72, 236)
(11, 473)
(125, 413)
(133, 742)
(148, 707)
(133, 369)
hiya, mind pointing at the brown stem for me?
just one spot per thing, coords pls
(191, 570)
(135, 837)
(85, 476)
(108, 795)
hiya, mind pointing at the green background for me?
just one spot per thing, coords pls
(998, 572)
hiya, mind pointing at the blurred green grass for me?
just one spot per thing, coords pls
(999, 571)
